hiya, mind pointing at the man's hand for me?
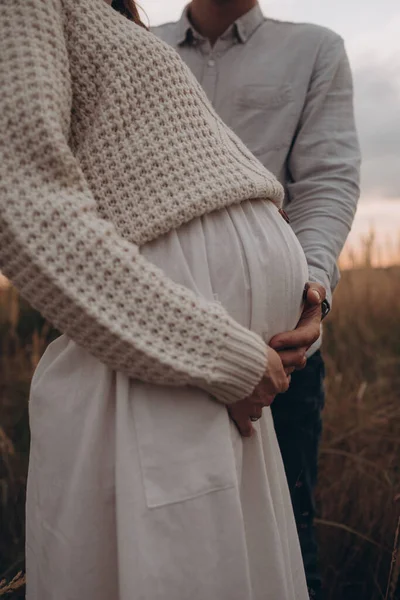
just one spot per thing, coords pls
(293, 345)
(275, 381)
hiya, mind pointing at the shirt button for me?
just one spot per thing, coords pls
(211, 63)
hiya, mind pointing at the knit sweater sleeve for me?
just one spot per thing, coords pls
(72, 265)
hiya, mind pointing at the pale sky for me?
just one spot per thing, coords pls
(371, 30)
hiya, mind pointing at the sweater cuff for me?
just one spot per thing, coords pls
(240, 366)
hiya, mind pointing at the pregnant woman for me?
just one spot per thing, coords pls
(137, 223)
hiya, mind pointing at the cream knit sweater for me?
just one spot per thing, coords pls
(107, 142)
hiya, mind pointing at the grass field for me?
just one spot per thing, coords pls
(359, 489)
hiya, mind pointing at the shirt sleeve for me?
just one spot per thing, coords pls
(324, 165)
(72, 265)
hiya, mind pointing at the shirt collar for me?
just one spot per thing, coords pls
(243, 28)
(249, 22)
(185, 29)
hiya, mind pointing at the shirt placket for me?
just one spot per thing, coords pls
(210, 71)
(211, 57)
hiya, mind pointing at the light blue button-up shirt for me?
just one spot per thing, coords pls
(286, 90)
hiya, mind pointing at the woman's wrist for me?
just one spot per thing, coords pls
(240, 366)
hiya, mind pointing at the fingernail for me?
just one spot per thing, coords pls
(317, 295)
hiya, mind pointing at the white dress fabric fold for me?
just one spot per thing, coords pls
(147, 492)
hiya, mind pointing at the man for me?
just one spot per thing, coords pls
(286, 90)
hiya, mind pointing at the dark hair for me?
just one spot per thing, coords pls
(129, 9)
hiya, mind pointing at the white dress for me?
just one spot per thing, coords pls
(145, 492)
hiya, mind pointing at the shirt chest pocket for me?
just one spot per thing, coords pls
(264, 117)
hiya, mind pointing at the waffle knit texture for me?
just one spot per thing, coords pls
(107, 142)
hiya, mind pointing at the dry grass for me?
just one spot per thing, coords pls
(16, 584)
(359, 491)
(359, 485)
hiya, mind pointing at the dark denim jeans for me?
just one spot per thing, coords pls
(298, 425)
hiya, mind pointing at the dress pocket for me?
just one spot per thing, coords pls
(184, 443)
(264, 117)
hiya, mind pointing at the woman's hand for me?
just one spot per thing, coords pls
(275, 381)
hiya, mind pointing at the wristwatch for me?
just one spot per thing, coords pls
(325, 309)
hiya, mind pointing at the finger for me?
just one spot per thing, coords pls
(282, 340)
(293, 359)
(315, 293)
(289, 370)
(262, 396)
(245, 427)
(313, 296)
(302, 337)
(268, 400)
(256, 411)
(279, 386)
(303, 365)
(241, 417)
(286, 385)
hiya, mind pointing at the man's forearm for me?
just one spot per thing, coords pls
(322, 225)
(324, 165)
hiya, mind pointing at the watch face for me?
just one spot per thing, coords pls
(325, 308)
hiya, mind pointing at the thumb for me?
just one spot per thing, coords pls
(315, 293)
(313, 296)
